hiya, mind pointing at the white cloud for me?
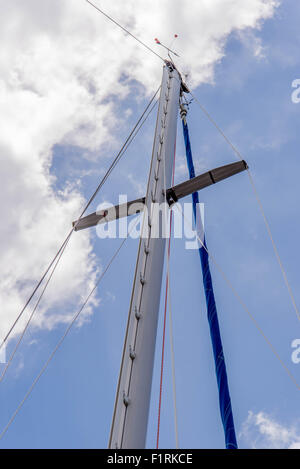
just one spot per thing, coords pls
(253, 42)
(62, 66)
(261, 431)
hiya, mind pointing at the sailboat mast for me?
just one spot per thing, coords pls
(130, 417)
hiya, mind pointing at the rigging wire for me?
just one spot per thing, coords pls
(59, 253)
(171, 335)
(165, 317)
(172, 355)
(167, 297)
(244, 306)
(29, 320)
(259, 202)
(125, 30)
(162, 363)
(61, 340)
(37, 287)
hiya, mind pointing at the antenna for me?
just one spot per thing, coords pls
(170, 51)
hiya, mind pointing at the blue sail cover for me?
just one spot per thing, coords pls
(224, 396)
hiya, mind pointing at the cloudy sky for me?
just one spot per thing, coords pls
(71, 87)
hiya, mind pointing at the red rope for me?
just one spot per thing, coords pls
(165, 322)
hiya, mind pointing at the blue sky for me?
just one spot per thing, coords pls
(73, 402)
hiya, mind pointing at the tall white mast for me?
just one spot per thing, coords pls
(130, 417)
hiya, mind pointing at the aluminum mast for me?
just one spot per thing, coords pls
(130, 417)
